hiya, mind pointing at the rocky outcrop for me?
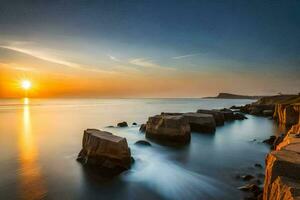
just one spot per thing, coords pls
(283, 168)
(105, 152)
(122, 124)
(287, 114)
(200, 122)
(169, 128)
(218, 115)
(143, 128)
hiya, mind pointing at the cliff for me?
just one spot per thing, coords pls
(282, 175)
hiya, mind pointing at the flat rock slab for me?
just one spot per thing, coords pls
(200, 122)
(168, 128)
(218, 116)
(105, 151)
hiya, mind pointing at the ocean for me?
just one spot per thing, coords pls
(41, 138)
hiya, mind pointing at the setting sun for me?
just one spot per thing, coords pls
(26, 84)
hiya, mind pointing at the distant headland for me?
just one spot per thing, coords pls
(233, 96)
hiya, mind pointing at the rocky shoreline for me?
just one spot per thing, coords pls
(110, 154)
(282, 172)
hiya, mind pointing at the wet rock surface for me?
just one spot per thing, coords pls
(169, 128)
(104, 152)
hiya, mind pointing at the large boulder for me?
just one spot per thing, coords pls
(105, 152)
(200, 122)
(169, 128)
(218, 115)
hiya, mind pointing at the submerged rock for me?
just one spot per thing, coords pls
(270, 141)
(201, 122)
(218, 116)
(169, 128)
(105, 152)
(122, 124)
(143, 128)
(239, 116)
(143, 143)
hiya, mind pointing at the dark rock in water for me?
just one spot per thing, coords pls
(122, 124)
(247, 177)
(236, 107)
(250, 188)
(106, 153)
(110, 127)
(200, 122)
(173, 129)
(228, 114)
(134, 123)
(258, 165)
(218, 115)
(270, 141)
(143, 128)
(239, 116)
(143, 143)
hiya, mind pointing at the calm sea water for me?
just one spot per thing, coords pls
(40, 140)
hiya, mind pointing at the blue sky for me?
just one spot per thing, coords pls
(155, 38)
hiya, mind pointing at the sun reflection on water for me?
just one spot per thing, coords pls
(31, 182)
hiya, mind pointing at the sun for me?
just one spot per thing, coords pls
(26, 84)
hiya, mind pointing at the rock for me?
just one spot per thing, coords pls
(143, 143)
(201, 122)
(270, 141)
(107, 153)
(110, 127)
(258, 165)
(250, 188)
(122, 124)
(134, 124)
(239, 116)
(277, 141)
(283, 188)
(287, 114)
(284, 163)
(218, 116)
(143, 128)
(169, 128)
(228, 114)
(267, 113)
(247, 177)
(236, 107)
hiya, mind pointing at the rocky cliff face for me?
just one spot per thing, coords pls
(283, 168)
(287, 114)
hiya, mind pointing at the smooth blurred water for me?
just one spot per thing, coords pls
(40, 140)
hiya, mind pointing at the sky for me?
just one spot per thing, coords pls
(89, 48)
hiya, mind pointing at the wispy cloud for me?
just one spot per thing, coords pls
(42, 56)
(142, 62)
(185, 56)
(46, 57)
